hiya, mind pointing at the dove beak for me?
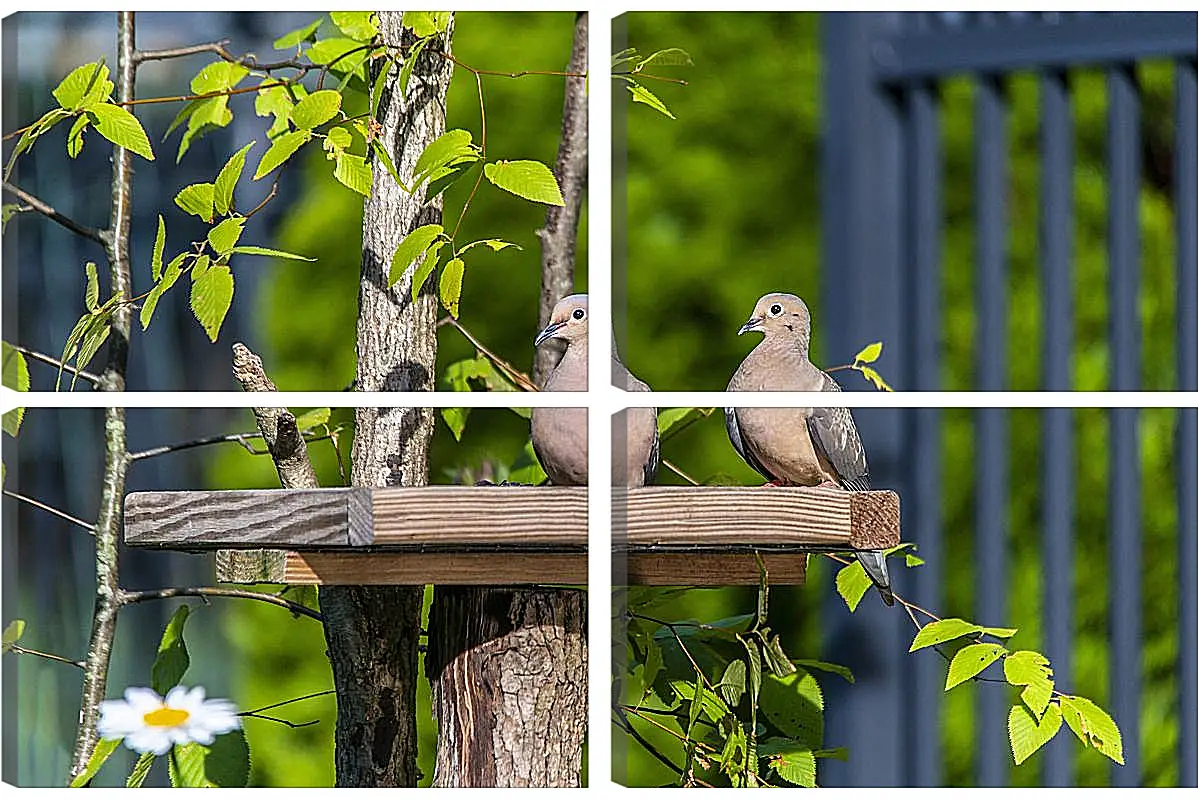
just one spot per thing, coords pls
(550, 331)
(753, 324)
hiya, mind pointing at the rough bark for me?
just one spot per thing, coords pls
(509, 666)
(509, 675)
(116, 455)
(560, 233)
(373, 632)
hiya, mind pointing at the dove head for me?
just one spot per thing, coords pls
(568, 321)
(782, 318)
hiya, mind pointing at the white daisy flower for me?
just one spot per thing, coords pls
(150, 724)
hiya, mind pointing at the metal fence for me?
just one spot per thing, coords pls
(883, 224)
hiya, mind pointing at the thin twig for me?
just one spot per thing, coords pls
(649, 747)
(64, 515)
(25, 651)
(665, 462)
(46, 210)
(288, 723)
(239, 438)
(482, 113)
(205, 592)
(288, 702)
(274, 191)
(520, 74)
(91, 377)
(678, 81)
(516, 376)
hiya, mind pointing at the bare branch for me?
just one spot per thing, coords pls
(25, 651)
(46, 210)
(91, 377)
(64, 515)
(516, 376)
(239, 438)
(288, 702)
(205, 592)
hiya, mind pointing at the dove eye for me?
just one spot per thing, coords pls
(775, 309)
(579, 314)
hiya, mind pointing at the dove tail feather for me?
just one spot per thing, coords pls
(874, 562)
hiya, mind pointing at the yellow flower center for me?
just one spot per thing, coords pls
(166, 717)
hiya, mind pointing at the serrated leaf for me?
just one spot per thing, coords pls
(75, 136)
(224, 763)
(12, 634)
(218, 76)
(357, 25)
(31, 134)
(199, 266)
(276, 102)
(732, 684)
(795, 766)
(1000, 633)
(211, 296)
(224, 235)
(455, 420)
(531, 180)
(198, 199)
(944, 630)
(825, 666)
(1093, 726)
(405, 70)
(169, 276)
(84, 340)
(159, 246)
(254, 250)
(172, 660)
(971, 660)
(316, 109)
(495, 244)
(450, 287)
(526, 468)
(353, 171)
(337, 139)
(852, 583)
(280, 150)
(426, 23)
(653, 662)
(91, 295)
(1025, 667)
(1037, 696)
(450, 148)
(1027, 734)
(794, 705)
(310, 419)
(293, 38)
(82, 85)
(868, 354)
(16, 377)
(872, 375)
(642, 95)
(103, 749)
(413, 246)
(226, 180)
(209, 114)
(669, 57)
(140, 771)
(913, 560)
(335, 53)
(121, 128)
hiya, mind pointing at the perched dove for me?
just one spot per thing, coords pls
(797, 446)
(559, 435)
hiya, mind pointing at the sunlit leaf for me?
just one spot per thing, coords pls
(85, 84)
(293, 38)
(173, 659)
(280, 150)
(211, 296)
(226, 180)
(316, 109)
(411, 248)
(531, 180)
(868, 354)
(121, 128)
(450, 287)
(1028, 734)
(970, 661)
(944, 630)
(852, 583)
(224, 763)
(103, 749)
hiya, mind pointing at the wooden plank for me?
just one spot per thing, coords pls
(678, 516)
(713, 569)
(549, 516)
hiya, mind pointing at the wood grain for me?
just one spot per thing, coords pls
(492, 515)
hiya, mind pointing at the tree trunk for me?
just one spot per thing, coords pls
(509, 675)
(373, 632)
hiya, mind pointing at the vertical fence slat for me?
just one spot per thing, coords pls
(1185, 213)
(1123, 156)
(990, 565)
(922, 716)
(1056, 234)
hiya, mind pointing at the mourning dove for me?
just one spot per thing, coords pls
(797, 446)
(559, 435)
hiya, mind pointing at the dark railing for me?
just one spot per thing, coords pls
(883, 224)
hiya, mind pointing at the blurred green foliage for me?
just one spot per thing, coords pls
(733, 212)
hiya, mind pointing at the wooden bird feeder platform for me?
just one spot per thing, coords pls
(502, 535)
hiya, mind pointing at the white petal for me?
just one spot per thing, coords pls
(177, 697)
(180, 734)
(118, 719)
(142, 700)
(200, 735)
(149, 740)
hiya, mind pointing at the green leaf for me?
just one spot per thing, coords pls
(218, 76)
(280, 150)
(12, 634)
(426, 23)
(405, 71)
(16, 377)
(310, 419)
(653, 662)
(159, 246)
(85, 339)
(316, 109)
(209, 114)
(526, 468)
(1029, 734)
(944, 630)
(495, 244)
(172, 660)
(224, 235)
(868, 354)
(1037, 696)
(732, 685)
(140, 771)
(226, 180)
(795, 766)
(838, 753)
(912, 560)
(450, 148)
(198, 199)
(1026, 667)
(224, 763)
(852, 583)
(455, 420)
(825, 666)
(254, 250)
(337, 139)
(75, 137)
(293, 38)
(9, 210)
(1000, 633)
(121, 128)
(211, 296)
(670, 57)
(47, 121)
(104, 748)
(413, 246)
(970, 661)
(1093, 726)
(169, 276)
(531, 180)
(872, 375)
(357, 25)
(91, 296)
(199, 266)
(696, 707)
(275, 102)
(450, 288)
(642, 95)
(795, 706)
(334, 53)
(379, 150)
(86, 84)
(354, 172)
(779, 663)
